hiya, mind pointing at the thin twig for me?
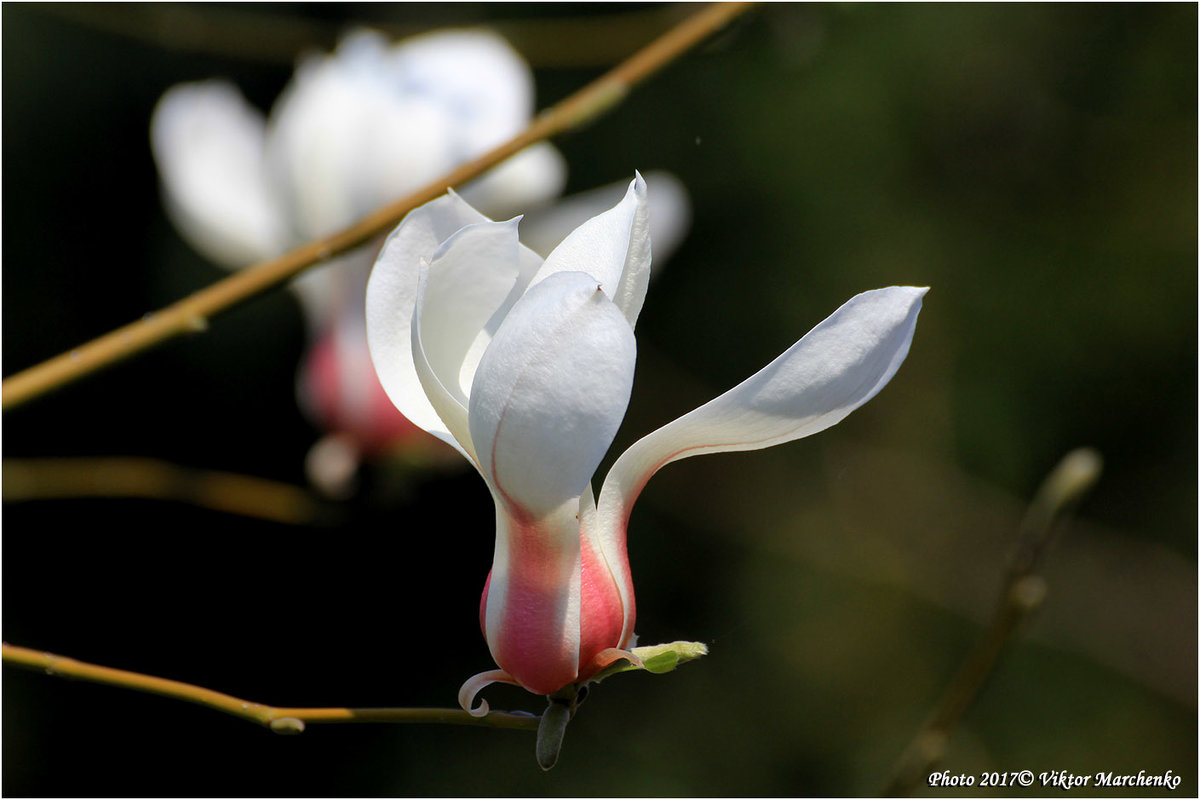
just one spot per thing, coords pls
(1022, 594)
(149, 478)
(282, 720)
(192, 313)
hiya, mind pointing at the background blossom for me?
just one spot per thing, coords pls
(353, 130)
(1035, 163)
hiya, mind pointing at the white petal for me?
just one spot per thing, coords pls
(451, 410)
(315, 134)
(839, 365)
(208, 144)
(614, 248)
(343, 139)
(470, 276)
(529, 179)
(391, 299)
(670, 215)
(392, 294)
(475, 76)
(550, 392)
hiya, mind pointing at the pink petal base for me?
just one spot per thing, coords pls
(477, 683)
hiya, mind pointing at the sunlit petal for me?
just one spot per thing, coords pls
(551, 390)
(543, 228)
(391, 299)
(614, 248)
(839, 365)
(470, 276)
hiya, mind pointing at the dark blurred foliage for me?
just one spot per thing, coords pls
(1034, 164)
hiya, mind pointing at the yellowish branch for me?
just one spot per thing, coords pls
(245, 495)
(279, 719)
(1022, 595)
(191, 314)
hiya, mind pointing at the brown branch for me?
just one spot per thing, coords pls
(245, 495)
(191, 314)
(283, 720)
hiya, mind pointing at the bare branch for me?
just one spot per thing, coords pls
(278, 719)
(192, 313)
(1021, 595)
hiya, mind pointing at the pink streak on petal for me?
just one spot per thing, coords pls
(533, 644)
(483, 604)
(536, 655)
(603, 615)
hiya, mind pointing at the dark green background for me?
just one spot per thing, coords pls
(1034, 164)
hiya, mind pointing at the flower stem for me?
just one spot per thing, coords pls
(192, 313)
(1020, 597)
(281, 720)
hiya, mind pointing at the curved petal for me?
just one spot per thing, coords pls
(544, 228)
(837, 366)
(477, 683)
(469, 277)
(450, 410)
(605, 606)
(670, 213)
(391, 300)
(550, 392)
(614, 248)
(208, 143)
(609, 544)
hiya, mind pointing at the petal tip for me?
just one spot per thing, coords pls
(474, 685)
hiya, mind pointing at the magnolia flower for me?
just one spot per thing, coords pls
(353, 130)
(525, 367)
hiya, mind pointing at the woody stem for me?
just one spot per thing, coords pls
(284, 720)
(191, 314)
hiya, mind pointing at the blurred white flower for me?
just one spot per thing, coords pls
(352, 131)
